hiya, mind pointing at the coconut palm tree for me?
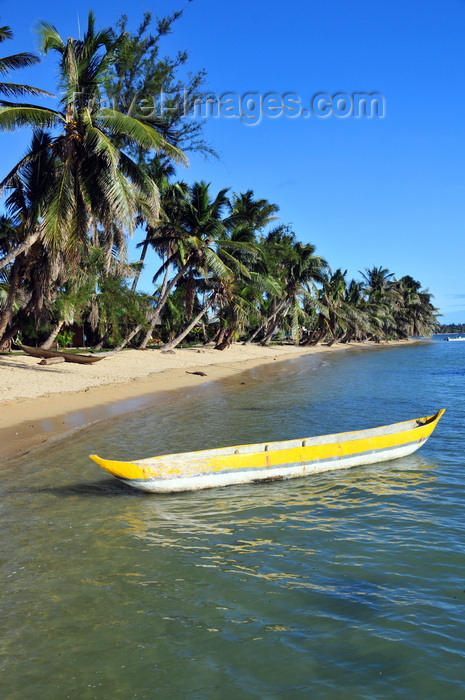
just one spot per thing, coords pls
(296, 268)
(236, 302)
(27, 198)
(376, 279)
(255, 214)
(415, 315)
(382, 297)
(334, 310)
(203, 249)
(93, 179)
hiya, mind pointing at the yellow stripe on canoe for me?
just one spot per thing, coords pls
(196, 463)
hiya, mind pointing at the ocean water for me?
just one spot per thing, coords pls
(346, 585)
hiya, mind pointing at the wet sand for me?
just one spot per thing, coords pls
(38, 403)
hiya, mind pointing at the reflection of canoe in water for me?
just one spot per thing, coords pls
(67, 356)
(272, 461)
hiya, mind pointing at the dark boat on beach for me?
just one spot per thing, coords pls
(67, 356)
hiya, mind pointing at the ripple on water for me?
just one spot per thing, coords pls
(347, 584)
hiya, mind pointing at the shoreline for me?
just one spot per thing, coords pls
(40, 403)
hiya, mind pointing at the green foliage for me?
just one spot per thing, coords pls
(142, 74)
(450, 328)
(115, 310)
(95, 169)
(64, 339)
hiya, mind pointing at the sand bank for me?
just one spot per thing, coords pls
(39, 402)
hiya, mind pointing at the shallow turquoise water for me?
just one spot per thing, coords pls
(345, 585)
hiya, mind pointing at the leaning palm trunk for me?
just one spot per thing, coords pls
(268, 320)
(267, 338)
(7, 313)
(172, 343)
(128, 338)
(155, 319)
(141, 261)
(17, 322)
(48, 343)
(30, 240)
(219, 338)
(227, 339)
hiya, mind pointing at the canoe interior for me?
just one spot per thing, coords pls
(331, 439)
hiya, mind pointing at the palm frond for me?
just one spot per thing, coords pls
(13, 116)
(17, 61)
(16, 90)
(49, 38)
(136, 130)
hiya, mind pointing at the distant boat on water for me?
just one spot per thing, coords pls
(454, 339)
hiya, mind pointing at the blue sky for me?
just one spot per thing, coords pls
(382, 191)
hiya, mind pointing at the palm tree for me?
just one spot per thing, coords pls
(237, 298)
(28, 196)
(15, 62)
(93, 178)
(255, 214)
(382, 297)
(334, 311)
(415, 315)
(376, 279)
(296, 267)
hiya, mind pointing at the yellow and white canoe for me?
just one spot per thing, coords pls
(272, 461)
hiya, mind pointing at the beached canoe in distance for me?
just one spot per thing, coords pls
(272, 461)
(67, 356)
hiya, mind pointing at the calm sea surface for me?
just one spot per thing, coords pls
(346, 585)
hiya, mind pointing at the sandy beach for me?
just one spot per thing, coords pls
(41, 402)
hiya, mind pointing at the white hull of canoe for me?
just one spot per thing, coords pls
(242, 464)
(263, 475)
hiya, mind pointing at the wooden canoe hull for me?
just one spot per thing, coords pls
(191, 471)
(67, 356)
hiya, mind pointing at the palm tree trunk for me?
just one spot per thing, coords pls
(227, 339)
(30, 240)
(266, 322)
(204, 334)
(141, 261)
(165, 294)
(7, 313)
(17, 323)
(155, 319)
(266, 340)
(156, 314)
(128, 338)
(173, 343)
(48, 343)
(219, 337)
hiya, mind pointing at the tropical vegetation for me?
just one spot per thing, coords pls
(99, 168)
